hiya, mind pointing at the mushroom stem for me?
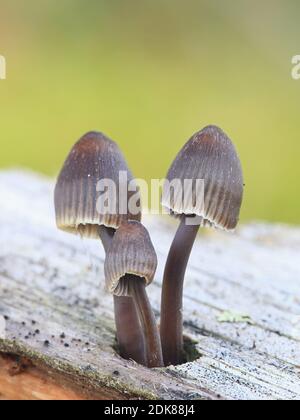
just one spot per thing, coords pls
(129, 331)
(106, 235)
(171, 326)
(153, 343)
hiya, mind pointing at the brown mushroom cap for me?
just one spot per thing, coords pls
(131, 252)
(210, 156)
(93, 158)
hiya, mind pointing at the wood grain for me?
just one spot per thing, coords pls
(59, 317)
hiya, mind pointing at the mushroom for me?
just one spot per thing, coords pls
(209, 156)
(130, 266)
(92, 159)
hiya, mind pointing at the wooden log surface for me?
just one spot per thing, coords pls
(241, 310)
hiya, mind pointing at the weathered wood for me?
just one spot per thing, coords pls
(59, 317)
(19, 380)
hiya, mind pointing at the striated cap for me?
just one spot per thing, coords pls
(131, 252)
(94, 158)
(209, 156)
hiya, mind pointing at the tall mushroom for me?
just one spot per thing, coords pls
(209, 156)
(92, 159)
(130, 266)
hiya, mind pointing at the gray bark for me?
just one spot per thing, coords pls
(241, 304)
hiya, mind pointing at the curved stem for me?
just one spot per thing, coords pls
(153, 343)
(171, 326)
(129, 331)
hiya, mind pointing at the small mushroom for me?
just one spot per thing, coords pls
(130, 266)
(209, 156)
(92, 159)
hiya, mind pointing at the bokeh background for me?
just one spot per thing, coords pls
(149, 73)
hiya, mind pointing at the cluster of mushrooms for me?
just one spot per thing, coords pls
(131, 259)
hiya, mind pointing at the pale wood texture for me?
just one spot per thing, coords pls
(59, 317)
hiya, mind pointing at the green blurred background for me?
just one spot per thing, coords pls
(149, 73)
